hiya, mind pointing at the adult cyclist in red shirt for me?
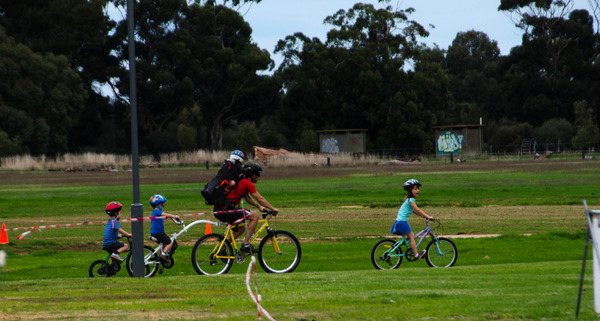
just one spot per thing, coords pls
(231, 211)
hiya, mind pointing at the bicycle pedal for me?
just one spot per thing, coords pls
(161, 271)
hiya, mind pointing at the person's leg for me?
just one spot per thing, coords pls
(252, 221)
(167, 247)
(230, 216)
(114, 250)
(411, 240)
(123, 248)
(238, 231)
(165, 240)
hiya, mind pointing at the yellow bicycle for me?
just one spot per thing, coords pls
(278, 252)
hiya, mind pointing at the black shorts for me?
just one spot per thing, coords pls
(112, 248)
(162, 238)
(230, 215)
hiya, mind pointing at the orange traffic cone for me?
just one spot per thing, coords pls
(3, 235)
(207, 231)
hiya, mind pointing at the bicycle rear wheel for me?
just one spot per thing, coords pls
(98, 268)
(204, 252)
(384, 259)
(151, 262)
(442, 255)
(279, 252)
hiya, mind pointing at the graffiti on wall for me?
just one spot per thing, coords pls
(330, 145)
(449, 142)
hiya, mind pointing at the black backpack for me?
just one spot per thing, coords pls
(216, 190)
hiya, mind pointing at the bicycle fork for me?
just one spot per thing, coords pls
(436, 245)
(271, 234)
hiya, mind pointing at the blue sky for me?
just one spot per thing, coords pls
(272, 20)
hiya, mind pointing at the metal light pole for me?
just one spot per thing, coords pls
(137, 227)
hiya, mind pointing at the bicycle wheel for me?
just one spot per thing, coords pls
(442, 255)
(98, 269)
(203, 255)
(381, 258)
(151, 262)
(283, 261)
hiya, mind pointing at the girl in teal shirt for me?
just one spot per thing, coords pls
(412, 187)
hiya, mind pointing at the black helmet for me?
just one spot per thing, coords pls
(253, 169)
(409, 184)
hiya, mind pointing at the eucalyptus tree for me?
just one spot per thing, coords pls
(196, 72)
(555, 65)
(472, 65)
(40, 99)
(358, 78)
(77, 30)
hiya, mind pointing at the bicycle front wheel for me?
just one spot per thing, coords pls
(443, 254)
(151, 262)
(98, 268)
(383, 258)
(279, 253)
(204, 255)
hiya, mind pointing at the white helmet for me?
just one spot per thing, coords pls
(237, 155)
(408, 184)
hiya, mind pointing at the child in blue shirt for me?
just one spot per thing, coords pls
(412, 187)
(157, 226)
(112, 230)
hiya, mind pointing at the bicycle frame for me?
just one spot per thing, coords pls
(420, 236)
(229, 234)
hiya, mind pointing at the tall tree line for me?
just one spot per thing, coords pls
(203, 83)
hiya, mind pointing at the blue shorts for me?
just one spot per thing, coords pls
(401, 227)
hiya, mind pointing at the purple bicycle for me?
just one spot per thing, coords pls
(441, 252)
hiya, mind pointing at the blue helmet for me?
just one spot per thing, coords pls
(157, 199)
(409, 184)
(237, 155)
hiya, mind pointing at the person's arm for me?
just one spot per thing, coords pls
(122, 231)
(252, 202)
(419, 211)
(167, 215)
(263, 201)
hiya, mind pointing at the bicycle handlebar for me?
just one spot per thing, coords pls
(267, 213)
(177, 220)
(435, 220)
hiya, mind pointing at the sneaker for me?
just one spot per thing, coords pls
(116, 257)
(420, 255)
(164, 255)
(247, 248)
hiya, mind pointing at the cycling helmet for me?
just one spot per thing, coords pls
(113, 208)
(157, 199)
(409, 184)
(253, 169)
(237, 155)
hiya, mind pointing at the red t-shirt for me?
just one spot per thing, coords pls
(243, 188)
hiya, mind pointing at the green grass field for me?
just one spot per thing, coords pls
(530, 272)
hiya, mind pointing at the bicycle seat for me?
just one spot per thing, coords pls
(154, 239)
